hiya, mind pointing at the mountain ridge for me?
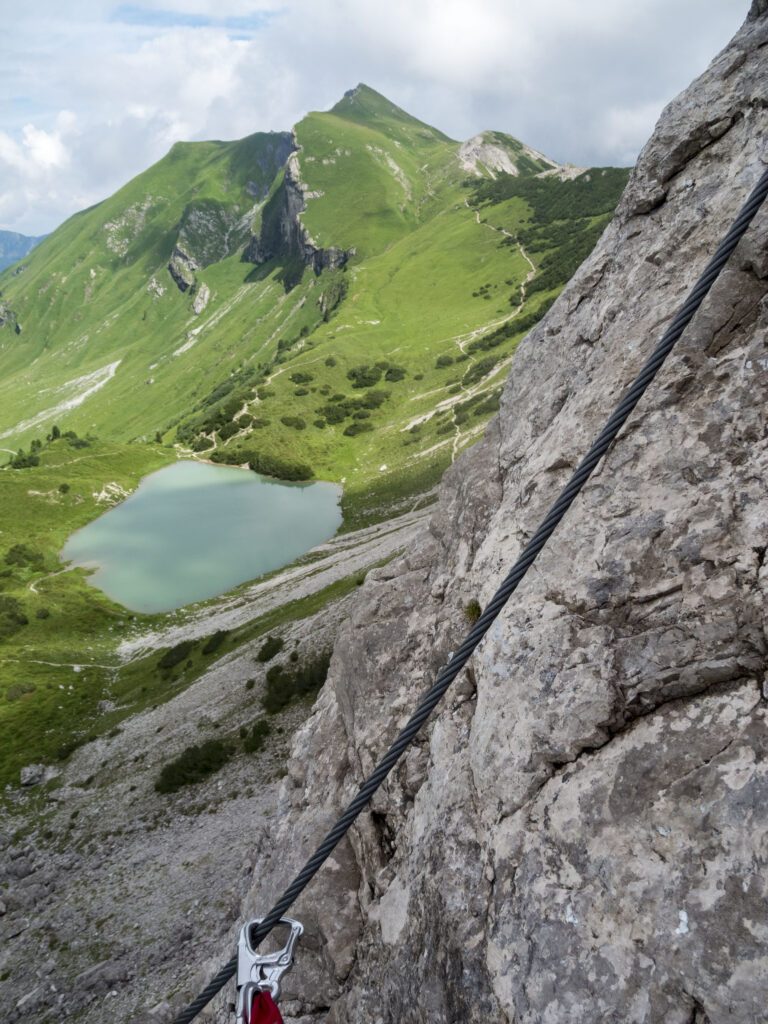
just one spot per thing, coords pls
(244, 253)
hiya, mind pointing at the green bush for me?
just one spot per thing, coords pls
(442, 361)
(293, 421)
(12, 616)
(271, 646)
(214, 642)
(271, 465)
(254, 740)
(285, 684)
(63, 488)
(260, 462)
(176, 655)
(24, 555)
(479, 370)
(395, 373)
(364, 376)
(23, 461)
(228, 430)
(193, 765)
(357, 428)
(301, 378)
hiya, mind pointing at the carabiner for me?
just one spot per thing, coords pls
(262, 972)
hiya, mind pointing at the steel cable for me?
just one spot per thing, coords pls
(529, 554)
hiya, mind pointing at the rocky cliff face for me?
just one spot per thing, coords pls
(282, 232)
(581, 833)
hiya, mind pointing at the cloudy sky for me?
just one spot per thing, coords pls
(94, 91)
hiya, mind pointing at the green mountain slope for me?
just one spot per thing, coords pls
(342, 300)
(228, 297)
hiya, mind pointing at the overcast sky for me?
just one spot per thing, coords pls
(92, 91)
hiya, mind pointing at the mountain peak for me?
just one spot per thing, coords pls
(490, 153)
(365, 105)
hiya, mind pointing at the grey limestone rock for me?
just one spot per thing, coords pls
(32, 774)
(581, 832)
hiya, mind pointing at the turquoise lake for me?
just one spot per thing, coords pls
(192, 531)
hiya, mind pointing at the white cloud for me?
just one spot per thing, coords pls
(106, 88)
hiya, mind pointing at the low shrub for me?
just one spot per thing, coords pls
(254, 740)
(473, 611)
(228, 430)
(364, 376)
(176, 655)
(24, 555)
(357, 428)
(193, 765)
(214, 642)
(285, 684)
(271, 646)
(395, 373)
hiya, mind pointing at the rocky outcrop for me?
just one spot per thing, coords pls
(8, 318)
(182, 267)
(580, 834)
(492, 153)
(210, 230)
(282, 233)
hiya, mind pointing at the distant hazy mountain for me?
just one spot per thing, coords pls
(14, 247)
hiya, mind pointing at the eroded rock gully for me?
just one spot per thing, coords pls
(582, 833)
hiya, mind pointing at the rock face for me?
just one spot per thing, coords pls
(282, 231)
(490, 153)
(580, 834)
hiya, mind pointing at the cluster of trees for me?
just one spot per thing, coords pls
(479, 370)
(25, 556)
(567, 218)
(366, 376)
(340, 407)
(591, 194)
(26, 460)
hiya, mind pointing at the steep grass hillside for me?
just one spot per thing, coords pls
(343, 301)
(334, 296)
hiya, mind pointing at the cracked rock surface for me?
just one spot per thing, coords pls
(581, 833)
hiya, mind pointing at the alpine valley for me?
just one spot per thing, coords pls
(579, 832)
(341, 301)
